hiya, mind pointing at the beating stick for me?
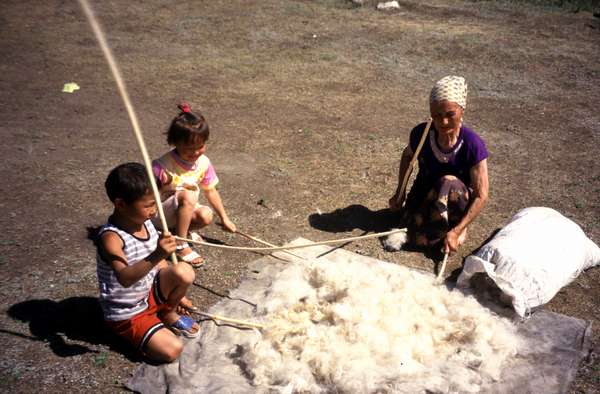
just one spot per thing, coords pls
(260, 241)
(414, 160)
(228, 320)
(132, 116)
(443, 268)
(331, 241)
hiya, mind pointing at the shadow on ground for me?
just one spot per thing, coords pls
(73, 319)
(360, 217)
(355, 217)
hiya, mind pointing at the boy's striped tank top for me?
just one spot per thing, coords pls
(118, 302)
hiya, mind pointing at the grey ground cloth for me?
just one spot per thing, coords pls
(555, 343)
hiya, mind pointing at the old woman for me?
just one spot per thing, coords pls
(451, 186)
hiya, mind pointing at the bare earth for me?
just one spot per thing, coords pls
(310, 104)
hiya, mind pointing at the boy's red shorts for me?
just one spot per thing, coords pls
(139, 329)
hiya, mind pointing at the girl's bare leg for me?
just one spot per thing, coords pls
(203, 216)
(186, 216)
(186, 203)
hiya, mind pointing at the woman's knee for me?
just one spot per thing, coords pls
(447, 178)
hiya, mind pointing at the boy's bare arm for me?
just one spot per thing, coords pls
(214, 199)
(111, 247)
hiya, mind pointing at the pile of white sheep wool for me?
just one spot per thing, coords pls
(360, 327)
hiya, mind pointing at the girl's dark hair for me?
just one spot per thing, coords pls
(127, 181)
(187, 127)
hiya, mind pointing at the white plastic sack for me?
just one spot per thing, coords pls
(537, 253)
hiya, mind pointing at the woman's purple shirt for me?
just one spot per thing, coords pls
(434, 162)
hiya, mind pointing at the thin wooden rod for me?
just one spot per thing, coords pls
(229, 320)
(112, 63)
(413, 160)
(443, 268)
(260, 241)
(332, 241)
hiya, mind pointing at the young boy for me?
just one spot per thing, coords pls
(139, 292)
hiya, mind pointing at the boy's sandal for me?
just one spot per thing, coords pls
(184, 326)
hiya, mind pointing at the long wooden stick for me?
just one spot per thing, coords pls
(329, 242)
(260, 241)
(414, 159)
(132, 116)
(443, 268)
(228, 320)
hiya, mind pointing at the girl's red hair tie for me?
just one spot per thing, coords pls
(184, 107)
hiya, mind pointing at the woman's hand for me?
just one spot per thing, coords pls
(451, 242)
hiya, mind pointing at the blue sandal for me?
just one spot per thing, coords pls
(183, 326)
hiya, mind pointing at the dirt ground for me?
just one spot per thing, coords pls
(310, 104)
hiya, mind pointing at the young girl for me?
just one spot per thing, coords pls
(182, 173)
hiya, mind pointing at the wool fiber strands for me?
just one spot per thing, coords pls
(359, 327)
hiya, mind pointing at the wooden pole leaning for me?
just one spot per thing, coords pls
(413, 160)
(100, 37)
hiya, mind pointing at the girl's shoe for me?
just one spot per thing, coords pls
(192, 258)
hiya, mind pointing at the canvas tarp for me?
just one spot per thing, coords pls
(546, 362)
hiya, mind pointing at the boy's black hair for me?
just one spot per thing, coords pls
(187, 127)
(127, 181)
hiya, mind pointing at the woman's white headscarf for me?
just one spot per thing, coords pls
(451, 88)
